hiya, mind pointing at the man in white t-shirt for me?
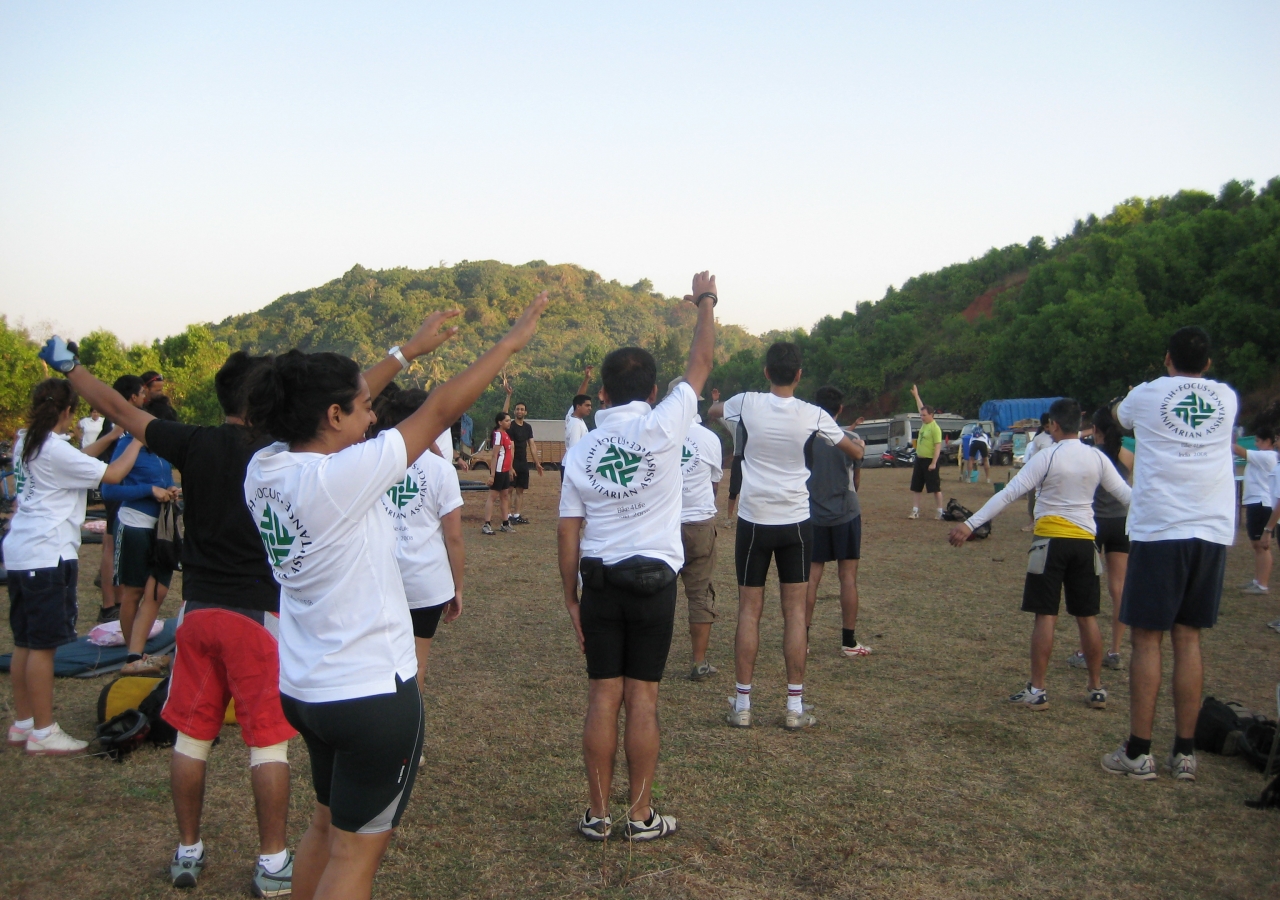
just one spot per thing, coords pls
(773, 520)
(619, 539)
(1182, 518)
(91, 428)
(1260, 465)
(1268, 532)
(1041, 441)
(700, 468)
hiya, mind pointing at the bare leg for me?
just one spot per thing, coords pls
(795, 644)
(986, 469)
(915, 499)
(517, 502)
(641, 743)
(600, 739)
(312, 856)
(506, 504)
(31, 673)
(1262, 562)
(699, 638)
(1188, 679)
(107, 570)
(1144, 680)
(422, 648)
(1117, 565)
(848, 569)
(144, 617)
(353, 861)
(128, 598)
(271, 802)
(186, 785)
(746, 641)
(1041, 648)
(1091, 644)
(488, 506)
(811, 595)
(937, 500)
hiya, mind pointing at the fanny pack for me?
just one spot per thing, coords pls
(639, 575)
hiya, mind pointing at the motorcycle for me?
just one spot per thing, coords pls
(902, 458)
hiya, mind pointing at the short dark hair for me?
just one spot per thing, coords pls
(1189, 350)
(394, 406)
(232, 381)
(628, 374)
(149, 376)
(926, 408)
(522, 403)
(1044, 418)
(830, 398)
(162, 409)
(580, 399)
(128, 386)
(782, 362)
(1265, 433)
(499, 416)
(1066, 412)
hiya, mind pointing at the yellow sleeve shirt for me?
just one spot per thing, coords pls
(928, 440)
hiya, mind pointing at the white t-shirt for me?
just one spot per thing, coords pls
(775, 478)
(51, 496)
(1275, 488)
(1183, 469)
(414, 506)
(575, 429)
(1259, 466)
(444, 444)
(345, 630)
(700, 465)
(624, 479)
(90, 429)
(1035, 445)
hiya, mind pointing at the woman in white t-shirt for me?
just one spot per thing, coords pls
(91, 428)
(1260, 463)
(347, 659)
(42, 554)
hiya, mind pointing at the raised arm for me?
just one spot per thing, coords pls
(452, 398)
(586, 380)
(425, 339)
(101, 444)
(101, 397)
(852, 448)
(919, 403)
(506, 386)
(702, 350)
(122, 465)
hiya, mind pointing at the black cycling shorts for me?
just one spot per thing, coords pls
(790, 545)
(1171, 583)
(1112, 537)
(978, 448)
(364, 754)
(925, 479)
(1256, 517)
(520, 476)
(1070, 566)
(426, 620)
(627, 635)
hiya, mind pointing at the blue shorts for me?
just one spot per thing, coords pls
(1173, 583)
(832, 543)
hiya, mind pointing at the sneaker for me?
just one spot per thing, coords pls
(507, 528)
(148, 665)
(657, 826)
(702, 671)
(58, 743)
(1097, 698)
(521, 520)
(1077, 661)
(108, 614)
(185, 871)
(858, 649)
(1111, 660)
(1025, 697)
(1274, 626)
(738, 718)
(915, 514)
(273, 884)
(594, 828)
(942, 515)
(1118, 763)
(18, 736)
(486, 528)
(798, 721)
(1254, 588)
(1182, 765)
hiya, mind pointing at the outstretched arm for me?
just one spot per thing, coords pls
(122, 465)
(425, 339)
(586, 380)
(702, 350)
(852, 448)
(451, 399)
(506, 386)
(98, 447)
(106, 401)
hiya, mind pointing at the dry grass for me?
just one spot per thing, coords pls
(917, 783)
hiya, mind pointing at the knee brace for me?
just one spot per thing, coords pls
(189, 746)
(275, 753)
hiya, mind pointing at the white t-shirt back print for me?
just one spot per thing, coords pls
(701, 466)
(415, 505)
(51, 494)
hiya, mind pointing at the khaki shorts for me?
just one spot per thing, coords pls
(699, 561)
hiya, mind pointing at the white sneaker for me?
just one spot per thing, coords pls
(915, 514)
(738, 718)
(58, 743)
(798, 721)
(858, 649)
(1274, 626)
(1118, 762)
(941, 515)
(1254, 588)
(18, 736)
(1183, 766)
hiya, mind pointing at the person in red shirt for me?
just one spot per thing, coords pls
(503, 456)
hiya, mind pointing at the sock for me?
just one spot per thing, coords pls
(915, 509)
(795, 698)
(847, 639)
(1185, 746)
(1137, 746)
(272, 862)
(1035, 691)
(41, 733)
(195, 851)
(742, 700)
(24, 724)
(133, 657)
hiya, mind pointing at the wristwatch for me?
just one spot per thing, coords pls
(395, 351)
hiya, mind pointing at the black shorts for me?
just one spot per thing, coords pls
(832, 543)
(1112, 537)
(134, 557)
(1173, 583)
(1071, 564)
(501, 481)
(520, 476)
(364, 754)
(42, 605)
(735, 478)
(922, 479)
(627, 635)
(791, 545)
(426, 620)
(978, 449)
(1256, 517)
(113, 510)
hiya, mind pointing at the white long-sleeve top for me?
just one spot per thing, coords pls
(1067, 474)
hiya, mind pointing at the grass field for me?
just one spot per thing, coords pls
(918, 781)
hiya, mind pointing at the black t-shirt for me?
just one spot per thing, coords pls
(223, 559)
(521, 435)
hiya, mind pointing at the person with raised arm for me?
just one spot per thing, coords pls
(619, 544)
(925, 477)
(348, 666)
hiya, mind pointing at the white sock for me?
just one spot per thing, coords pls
(41, 733)
(273, 862)
(24, 724)
(915, 509)
(195, 851)
(795, 698)
(742, 700)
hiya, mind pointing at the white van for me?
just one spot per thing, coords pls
(876, 433)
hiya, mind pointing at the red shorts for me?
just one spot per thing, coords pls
(222, 655)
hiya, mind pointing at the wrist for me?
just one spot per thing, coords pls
(402, 354)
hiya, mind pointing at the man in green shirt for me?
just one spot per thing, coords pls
(925, 477)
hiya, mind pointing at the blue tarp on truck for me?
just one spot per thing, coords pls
(1005, 412)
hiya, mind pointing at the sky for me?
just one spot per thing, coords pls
(162, 164)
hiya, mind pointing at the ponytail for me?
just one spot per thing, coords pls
(1111, 434)
(394, 405)
(50, 399)
(289, 395)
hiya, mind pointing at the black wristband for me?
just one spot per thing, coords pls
(714, 299)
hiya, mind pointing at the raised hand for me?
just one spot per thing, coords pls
(430, 335)
(58, 355)
(703, 283)
(715, 395)
(522, 331)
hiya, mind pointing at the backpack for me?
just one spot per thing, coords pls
(167, 551)
(122, 734)
(1255, 746)
(956, 512)
(1218, 728)
(162, 734)
(125, 692)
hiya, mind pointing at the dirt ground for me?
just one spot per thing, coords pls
(919, 781)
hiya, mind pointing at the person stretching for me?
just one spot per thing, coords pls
(524, 457)
(925, 475)
(1259, 466)
(500, 483)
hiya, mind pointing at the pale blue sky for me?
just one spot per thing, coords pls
(165, 163)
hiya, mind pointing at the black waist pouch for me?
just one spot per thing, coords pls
(639, 575)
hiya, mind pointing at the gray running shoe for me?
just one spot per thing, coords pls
(486, 528)
(1097, 699)
(1254, 588)
(1077, 661)
(702, 671)
(1029, 699)
(1111, 660)
(273, 884)
(1118, 763)
(798, 721)
(507, 528)
(1274, 626)
(185, 871)
(657, 826)
(1183, 766)
(595, 828)
(738, 718)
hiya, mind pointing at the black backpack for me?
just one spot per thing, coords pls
(1256, 743)
(162, 734)
(122, 734)
(957, 512)
(1218, 728)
